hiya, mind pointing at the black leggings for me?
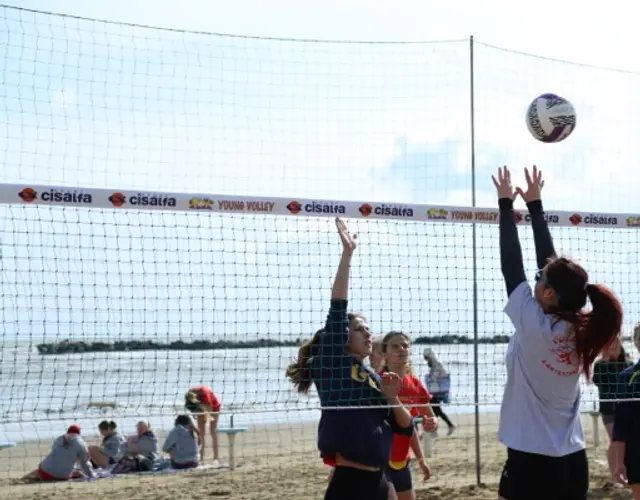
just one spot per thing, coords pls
(348, 483)
(438, 412)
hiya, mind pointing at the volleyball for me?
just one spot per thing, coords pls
(551, 118)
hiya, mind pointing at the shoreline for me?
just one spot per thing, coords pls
(260, 437)
(281, 462)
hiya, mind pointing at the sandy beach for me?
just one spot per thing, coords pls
(281, 463)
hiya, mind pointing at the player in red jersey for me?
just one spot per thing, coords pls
(396, 347)
(202, 401)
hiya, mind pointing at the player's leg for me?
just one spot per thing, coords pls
(213, 429)
(201, 421)
(572, 472)
(402, 482)
(527, 476)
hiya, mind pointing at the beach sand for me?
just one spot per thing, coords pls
(281, 463)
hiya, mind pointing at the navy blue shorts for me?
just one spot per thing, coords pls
(348, 483)
(400, 478)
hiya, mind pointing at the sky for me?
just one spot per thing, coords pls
(109, 105)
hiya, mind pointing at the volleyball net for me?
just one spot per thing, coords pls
(166, 220)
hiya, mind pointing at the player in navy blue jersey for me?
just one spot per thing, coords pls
(356, 426)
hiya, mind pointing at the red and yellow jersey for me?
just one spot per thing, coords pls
(207, 397)
(413, 392)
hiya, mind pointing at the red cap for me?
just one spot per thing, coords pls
(73, 429)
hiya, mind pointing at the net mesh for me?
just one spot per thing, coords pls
(131, 286)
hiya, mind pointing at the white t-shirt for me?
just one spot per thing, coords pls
(541, 405)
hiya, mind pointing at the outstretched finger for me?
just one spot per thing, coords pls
(495, 182)
(527, 176)
(539, 178)
(541, 184)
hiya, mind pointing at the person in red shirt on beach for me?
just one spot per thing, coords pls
(396, 348)
(203, 402)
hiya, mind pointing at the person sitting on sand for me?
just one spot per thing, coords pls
(182, 443)
(112, 447)
(203, 402)
(59, 464)
(140, 452)
(144, 442)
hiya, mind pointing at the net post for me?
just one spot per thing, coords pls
(476, 367)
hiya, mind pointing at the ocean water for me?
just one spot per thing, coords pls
(41, 395)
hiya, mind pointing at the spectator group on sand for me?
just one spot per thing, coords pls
(184, 446)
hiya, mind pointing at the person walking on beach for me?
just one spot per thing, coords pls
(205, 405)
(555, 342)
(438, 382)
(357, 441)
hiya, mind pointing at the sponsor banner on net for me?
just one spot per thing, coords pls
(597, 220)
(551, 218)
(55, 196)
(244, 206)
(473, 215)
(125, 199)
(128, 199)
(387, 210)
(296, 207)
(633, 221)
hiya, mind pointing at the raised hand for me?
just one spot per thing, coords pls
(429, 424)
(349, 241)
(503, 183)
(534, 185)
(390, 384)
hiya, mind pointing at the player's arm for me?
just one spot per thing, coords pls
(336, 333)
(622, 425)
(510, 249)
(541, 234)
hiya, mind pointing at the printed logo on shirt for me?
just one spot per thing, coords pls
(359, 374)
(565, 362)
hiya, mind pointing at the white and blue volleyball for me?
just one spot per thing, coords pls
(551, 118)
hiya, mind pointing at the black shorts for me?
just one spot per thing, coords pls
(400, 478)
(528, 476)
(348, 483)
(607, 418)
(632, 463)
